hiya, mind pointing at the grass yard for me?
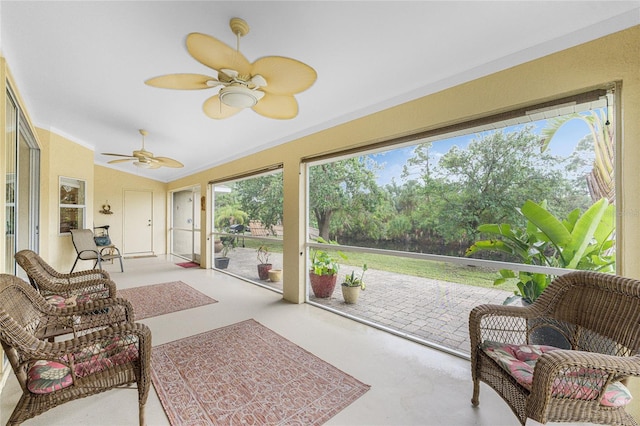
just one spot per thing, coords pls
(455, 273)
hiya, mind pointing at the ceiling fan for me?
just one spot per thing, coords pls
(267, 85)
(145, 159)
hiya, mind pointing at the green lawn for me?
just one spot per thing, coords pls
(461, 274)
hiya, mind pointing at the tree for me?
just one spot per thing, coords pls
(340, 187)
(482, 183)
(262, 198)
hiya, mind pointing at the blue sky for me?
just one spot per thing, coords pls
(562, 144)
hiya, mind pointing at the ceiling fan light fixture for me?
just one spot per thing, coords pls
(142, 165)
(239, 97)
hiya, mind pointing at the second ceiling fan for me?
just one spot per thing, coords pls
(267, 85)
(145, 159)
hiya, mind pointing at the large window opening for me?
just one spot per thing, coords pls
(247, 227)
(472, 214)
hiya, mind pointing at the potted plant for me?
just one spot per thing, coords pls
(324, 271)
(264, 266)
(222, 261)
(275, 275)
(352, 285)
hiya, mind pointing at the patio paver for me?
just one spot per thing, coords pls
(431, 310)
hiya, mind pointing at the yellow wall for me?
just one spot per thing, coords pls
(109, 185)
(61, 157)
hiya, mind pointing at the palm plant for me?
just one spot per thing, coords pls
(601, 179)
(580, 241)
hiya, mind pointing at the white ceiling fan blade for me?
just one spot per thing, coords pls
(230, 73)
(258, 81)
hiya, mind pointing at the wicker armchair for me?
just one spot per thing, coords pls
(106, 349)
(592, 322)
(85, 285)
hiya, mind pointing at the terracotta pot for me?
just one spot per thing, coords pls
(263, 270)
(275, 275)
(350, 294)
(217, 246)
(322, 285)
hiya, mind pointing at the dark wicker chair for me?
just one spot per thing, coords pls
(105, 349)
(92, 284)
(594, 319)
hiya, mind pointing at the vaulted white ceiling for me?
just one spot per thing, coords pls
(80, 66)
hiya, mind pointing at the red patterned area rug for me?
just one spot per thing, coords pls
(245, 373)
(159, 299)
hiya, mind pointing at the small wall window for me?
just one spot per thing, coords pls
(72, 204)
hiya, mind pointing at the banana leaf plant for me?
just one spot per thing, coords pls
(580, 241)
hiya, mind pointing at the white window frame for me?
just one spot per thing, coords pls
(81, 184)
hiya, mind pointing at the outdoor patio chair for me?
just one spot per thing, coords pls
(85, 285)
(594, 322)
(106, 349)
(86, 249)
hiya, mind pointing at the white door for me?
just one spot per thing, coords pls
(138, 222)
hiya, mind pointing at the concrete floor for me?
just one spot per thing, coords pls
(411, 384)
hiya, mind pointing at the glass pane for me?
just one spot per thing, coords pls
(182, 243)
(69, 194)
(71, 218)
(247, 214)
(185, 220)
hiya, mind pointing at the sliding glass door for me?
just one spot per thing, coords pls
(22, 167)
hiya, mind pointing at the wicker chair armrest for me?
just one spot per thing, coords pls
(116, 330)
(90, 274)
(58, 351)
(69, 288)
(579, 374)
(98, 304)
(500, 323)
(97, 313)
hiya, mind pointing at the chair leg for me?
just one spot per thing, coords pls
(74, 264)
(121, 267)
(476, 393)
(141, 415)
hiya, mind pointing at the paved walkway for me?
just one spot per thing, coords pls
(431, 310)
